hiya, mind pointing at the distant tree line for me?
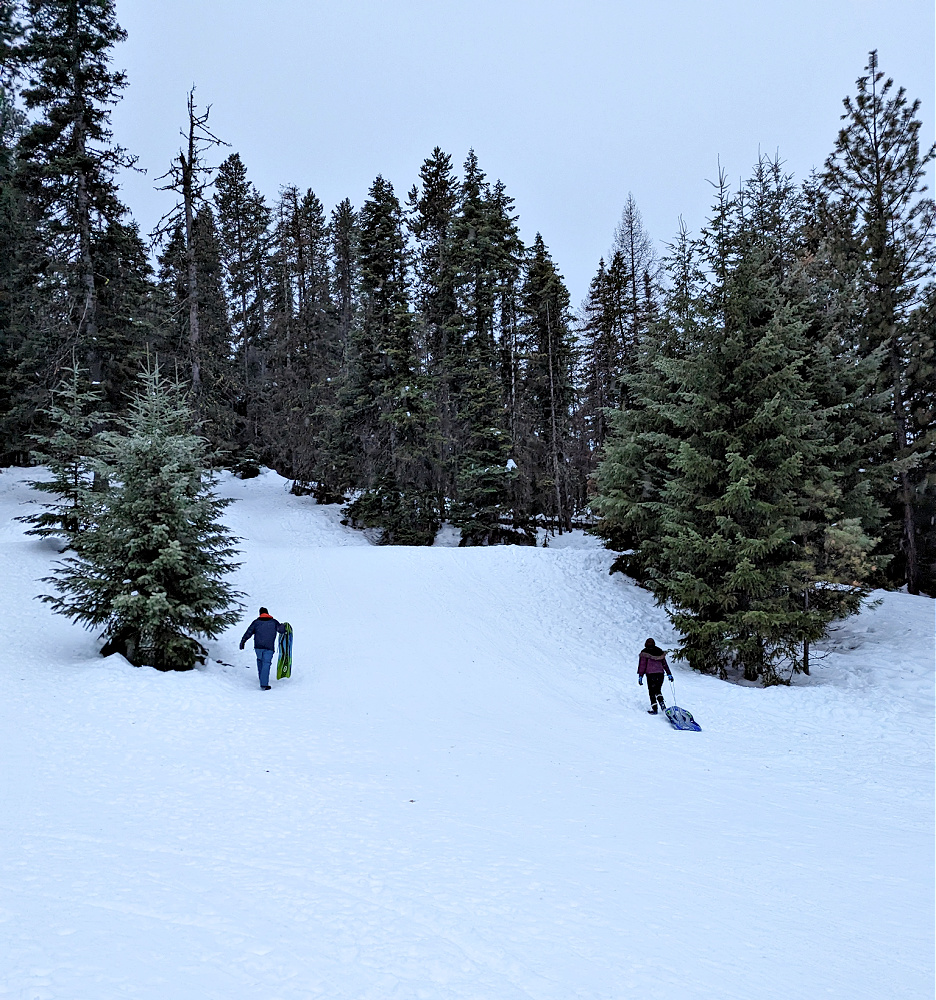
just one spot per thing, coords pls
(749, 419)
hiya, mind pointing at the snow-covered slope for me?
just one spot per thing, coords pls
(458, 794)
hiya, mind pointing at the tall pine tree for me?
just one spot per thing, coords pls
(392, 409)
(244, 220)
(549, 391)
(68, 162)
(878, 172)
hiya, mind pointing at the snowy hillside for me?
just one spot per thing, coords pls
(457, 795)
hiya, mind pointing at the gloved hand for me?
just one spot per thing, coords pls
(640, 680)
(670, 676)
(241, 645)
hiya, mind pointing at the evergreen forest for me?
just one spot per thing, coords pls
(746, 416)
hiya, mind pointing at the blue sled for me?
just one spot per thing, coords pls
(679, 718)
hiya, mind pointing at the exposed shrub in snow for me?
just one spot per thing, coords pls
(405, 515)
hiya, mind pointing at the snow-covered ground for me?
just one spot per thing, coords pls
(457, 795)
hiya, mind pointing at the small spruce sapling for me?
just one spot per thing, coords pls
(71, 452)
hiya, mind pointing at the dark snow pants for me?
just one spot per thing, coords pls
(655, 688)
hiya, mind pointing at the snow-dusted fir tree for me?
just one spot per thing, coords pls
(70, 451)
(724, 474)
(151, 570)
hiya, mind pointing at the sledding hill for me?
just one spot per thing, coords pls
(458, 794)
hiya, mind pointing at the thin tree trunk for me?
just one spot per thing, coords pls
(191, 268)
(188, 200)
(806, 641)
(552, 420)
(912, 572)
(87, 323)
(192, 289)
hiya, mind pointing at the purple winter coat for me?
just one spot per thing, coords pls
(650, 664)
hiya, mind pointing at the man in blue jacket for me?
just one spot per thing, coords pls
(264, 630)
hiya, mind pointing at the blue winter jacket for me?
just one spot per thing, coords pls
(264, 630)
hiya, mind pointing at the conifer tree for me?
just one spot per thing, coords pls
(601, 359)
(548, 386)
(476, 239)
(150, 572)
(392, 406)
(128, 317)
(218, 394)
(635, 461)
(343, 231)
(384, 339)
(244, 220)
(21, 253)
(189, 177)
(618, 315)
(878, 171)
(921, 404)
(840, 535)
(487, 251)
(487, 472)
(634, 276)
(12, 122)
(509, 258)
(339, 447)
(11, 32)
(305, 349)
(171, 280)
(432, 220)
(70, 451)
(68, 160)
(723, 471)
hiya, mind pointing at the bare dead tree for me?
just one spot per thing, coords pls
(189, 177)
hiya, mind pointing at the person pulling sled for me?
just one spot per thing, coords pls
(652, 665)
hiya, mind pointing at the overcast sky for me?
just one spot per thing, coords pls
(571, 104)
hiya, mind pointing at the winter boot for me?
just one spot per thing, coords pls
(652, 711)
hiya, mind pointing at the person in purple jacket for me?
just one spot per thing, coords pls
(653, 665)
(264, 630)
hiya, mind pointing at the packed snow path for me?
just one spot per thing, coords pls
(458, 794)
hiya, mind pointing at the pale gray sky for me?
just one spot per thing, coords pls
(571, 104)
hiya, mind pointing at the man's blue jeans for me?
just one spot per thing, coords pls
(264, 659)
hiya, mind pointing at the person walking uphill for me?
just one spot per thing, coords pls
(653, 665)
(264, 629)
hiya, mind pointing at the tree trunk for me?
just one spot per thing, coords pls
(87, 324)
(806, 641)
(188, 201)
(553, 431)
(191, 268)
(912, 572)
